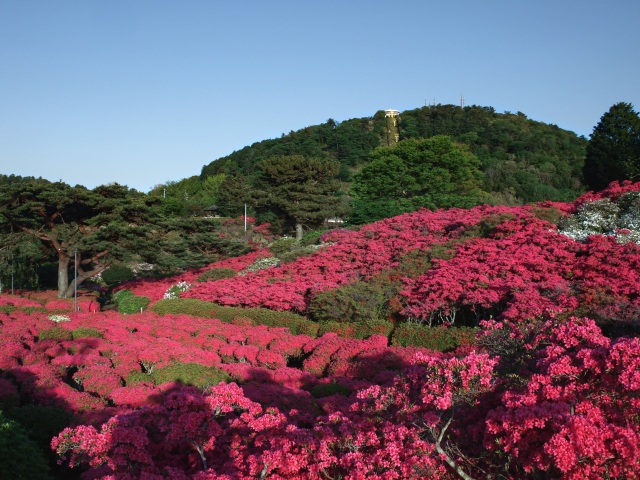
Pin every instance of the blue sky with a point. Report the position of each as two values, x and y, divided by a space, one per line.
145 92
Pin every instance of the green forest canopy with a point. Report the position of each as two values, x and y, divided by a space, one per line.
521 160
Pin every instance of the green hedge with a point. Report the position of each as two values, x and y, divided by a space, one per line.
57 333
405 334
216 274
357 329
194 374
442 339
85 332
296 324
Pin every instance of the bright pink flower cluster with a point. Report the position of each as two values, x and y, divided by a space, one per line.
573 417
524 270
564 413
353 256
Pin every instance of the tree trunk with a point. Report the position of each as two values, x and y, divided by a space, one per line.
81 277
63 275
299 231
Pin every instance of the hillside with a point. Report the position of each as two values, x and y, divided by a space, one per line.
380 381
451 267
522 160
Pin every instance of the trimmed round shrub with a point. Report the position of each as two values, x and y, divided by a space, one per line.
116 273
132 304
216 274
117 296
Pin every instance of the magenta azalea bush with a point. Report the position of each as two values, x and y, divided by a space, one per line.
541 392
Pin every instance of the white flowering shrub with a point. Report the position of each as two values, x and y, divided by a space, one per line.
174 290
142 267
261 264
619 218
59 318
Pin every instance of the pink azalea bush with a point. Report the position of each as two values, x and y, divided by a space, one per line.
542 393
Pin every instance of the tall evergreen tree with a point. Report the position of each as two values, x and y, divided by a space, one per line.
613 153
95 228
432 173
90 227
302 189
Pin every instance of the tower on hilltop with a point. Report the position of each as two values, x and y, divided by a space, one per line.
393 133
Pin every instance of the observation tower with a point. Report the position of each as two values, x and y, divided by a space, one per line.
393 134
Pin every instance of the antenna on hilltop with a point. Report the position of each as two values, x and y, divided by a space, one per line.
461 101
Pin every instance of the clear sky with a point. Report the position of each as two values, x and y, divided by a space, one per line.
148 91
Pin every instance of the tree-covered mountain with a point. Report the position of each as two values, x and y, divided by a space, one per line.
521 158
519 161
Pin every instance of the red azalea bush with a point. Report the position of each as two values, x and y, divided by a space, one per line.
561 411
524 269
355 255
506 261
541 393
572 418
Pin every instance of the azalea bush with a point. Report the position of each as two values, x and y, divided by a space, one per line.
393 406
497 357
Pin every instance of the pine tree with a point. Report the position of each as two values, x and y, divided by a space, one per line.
613 152
302 189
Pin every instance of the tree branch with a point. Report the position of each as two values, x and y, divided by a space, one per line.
446 457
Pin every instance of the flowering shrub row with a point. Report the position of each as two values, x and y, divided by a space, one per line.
355 255
524 270
501 261
563 416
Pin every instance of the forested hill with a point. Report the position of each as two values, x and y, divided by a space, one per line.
522 160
